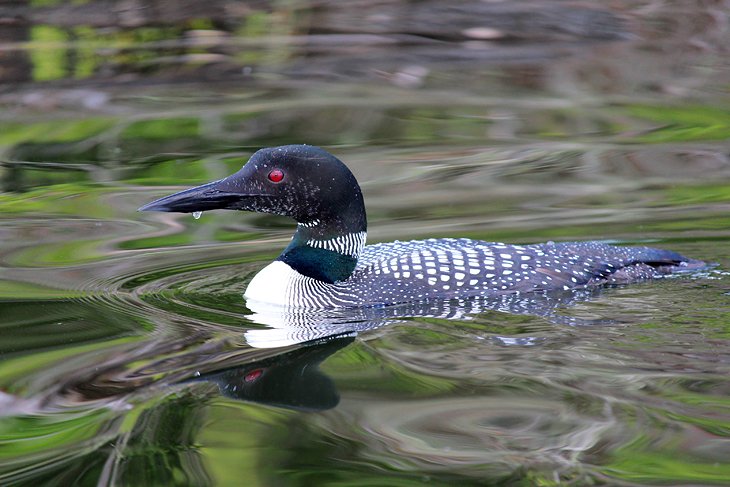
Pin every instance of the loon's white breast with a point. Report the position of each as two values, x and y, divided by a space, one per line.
273 284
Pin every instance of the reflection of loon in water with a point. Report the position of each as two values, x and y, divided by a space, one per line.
290 325
286 377
293 380
278 365
328 265
290 380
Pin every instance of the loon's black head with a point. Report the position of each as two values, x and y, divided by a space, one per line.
300 181
303 182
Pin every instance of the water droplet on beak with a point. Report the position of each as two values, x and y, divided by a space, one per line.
197 214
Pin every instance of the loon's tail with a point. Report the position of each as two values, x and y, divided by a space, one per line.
611 264
648 262
667 261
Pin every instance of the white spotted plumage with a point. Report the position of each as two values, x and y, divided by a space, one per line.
448 268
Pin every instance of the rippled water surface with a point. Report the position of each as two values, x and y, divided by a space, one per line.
129 356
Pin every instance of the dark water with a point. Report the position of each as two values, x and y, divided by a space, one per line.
129 356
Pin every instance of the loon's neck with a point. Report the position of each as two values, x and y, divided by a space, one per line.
327 250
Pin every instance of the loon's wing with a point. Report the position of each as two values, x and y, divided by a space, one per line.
595 263
446 267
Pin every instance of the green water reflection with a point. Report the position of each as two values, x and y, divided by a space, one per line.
128 354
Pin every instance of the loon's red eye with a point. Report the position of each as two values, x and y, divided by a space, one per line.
276 175
253 375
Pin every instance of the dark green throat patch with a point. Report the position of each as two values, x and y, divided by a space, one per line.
321 264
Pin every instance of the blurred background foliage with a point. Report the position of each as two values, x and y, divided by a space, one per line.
98 93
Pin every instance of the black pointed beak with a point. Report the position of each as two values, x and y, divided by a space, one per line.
210 196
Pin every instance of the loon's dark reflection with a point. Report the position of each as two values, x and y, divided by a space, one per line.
290 380
276 364
289 326
287 377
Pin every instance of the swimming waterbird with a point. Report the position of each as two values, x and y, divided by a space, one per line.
328 265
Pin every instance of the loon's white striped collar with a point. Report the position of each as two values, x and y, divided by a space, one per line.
348 244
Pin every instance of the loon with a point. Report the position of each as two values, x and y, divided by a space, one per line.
328 265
